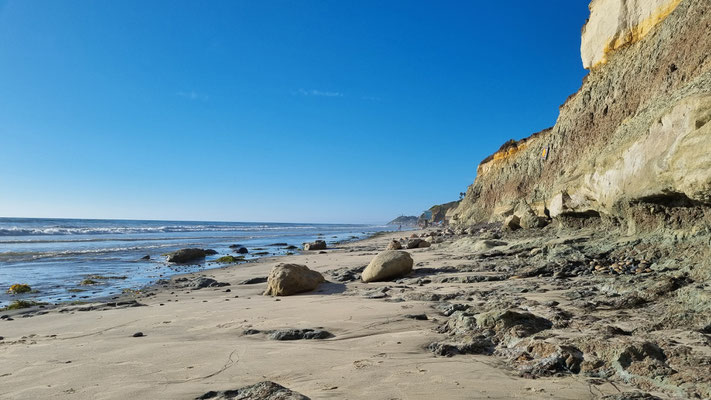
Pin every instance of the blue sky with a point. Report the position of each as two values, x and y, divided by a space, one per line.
293 111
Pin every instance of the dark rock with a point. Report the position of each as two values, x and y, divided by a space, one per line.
146 257
292 247
199 282
414 243
477 345
242 250
251 332
630 396
261 391
298 334
502 322
235 246
138 334
254 281
418 317
210 252
317 245
279 244
186 255
347 274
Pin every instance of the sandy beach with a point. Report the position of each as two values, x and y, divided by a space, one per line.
194 341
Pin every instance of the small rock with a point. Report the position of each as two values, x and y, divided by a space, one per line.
138 334
266 390
418 317
253 281
317 245
299 334
394 245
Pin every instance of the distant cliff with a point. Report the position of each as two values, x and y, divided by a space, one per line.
636 136
438 213
404 220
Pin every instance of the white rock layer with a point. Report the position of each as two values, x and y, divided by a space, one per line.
616 23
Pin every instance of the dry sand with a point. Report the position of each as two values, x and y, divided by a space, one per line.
194 343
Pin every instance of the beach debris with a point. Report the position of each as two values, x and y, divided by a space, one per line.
186 255
317 245
288 279
20 304
394 245
266 390
387 265
19 288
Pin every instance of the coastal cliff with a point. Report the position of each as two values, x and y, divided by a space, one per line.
634 138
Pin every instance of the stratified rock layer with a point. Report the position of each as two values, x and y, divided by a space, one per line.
636 133
614 24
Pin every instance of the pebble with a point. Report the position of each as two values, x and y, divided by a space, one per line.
138 334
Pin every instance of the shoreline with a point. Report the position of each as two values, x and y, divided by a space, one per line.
195 341
58 279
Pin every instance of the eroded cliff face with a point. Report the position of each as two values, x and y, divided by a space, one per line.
635 136
614 24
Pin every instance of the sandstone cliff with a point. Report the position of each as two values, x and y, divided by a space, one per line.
633 142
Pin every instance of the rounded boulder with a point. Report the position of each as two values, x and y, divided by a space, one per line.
388 265
288 279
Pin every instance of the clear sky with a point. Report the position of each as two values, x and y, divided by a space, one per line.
290 111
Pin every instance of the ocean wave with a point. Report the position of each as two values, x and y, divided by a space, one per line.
19 256
121 230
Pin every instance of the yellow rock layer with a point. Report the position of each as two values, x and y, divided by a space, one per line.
501 155
639 31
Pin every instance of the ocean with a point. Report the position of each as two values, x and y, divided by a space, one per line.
54 256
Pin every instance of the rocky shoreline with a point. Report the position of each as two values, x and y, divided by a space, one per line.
528 306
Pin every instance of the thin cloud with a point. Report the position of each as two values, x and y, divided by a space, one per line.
314 92
192 95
